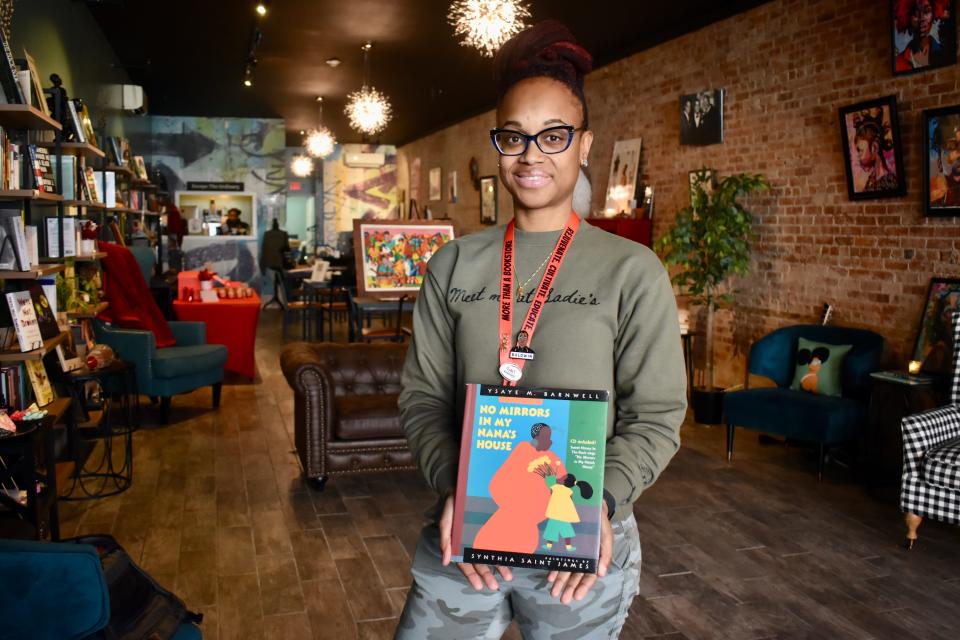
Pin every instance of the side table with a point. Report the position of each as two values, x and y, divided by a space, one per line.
111 422
29 464
890 401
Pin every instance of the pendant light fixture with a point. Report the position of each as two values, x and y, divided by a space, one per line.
369 110
301 166
319 142
487 24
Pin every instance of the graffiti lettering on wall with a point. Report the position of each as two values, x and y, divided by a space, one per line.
358 193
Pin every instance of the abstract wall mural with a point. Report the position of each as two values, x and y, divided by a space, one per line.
357 193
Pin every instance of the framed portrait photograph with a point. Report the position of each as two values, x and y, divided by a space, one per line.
934 346
701 118
624 168
706 178
488 200
941 161
434 177
872 149
923 35
392 255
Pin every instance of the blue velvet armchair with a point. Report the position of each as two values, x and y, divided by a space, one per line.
170 371
56 591
798 415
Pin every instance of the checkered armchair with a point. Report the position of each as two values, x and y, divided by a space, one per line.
930 487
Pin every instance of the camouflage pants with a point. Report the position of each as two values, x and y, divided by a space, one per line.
441 604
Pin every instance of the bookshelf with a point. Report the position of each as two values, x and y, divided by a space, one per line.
30 194
89 315
79 149
85 204
34 273
22 116
10 355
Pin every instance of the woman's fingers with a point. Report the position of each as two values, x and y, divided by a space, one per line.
552 576
559 583
446 531
470 573
487 576
581 591
606 546
505 573
571 587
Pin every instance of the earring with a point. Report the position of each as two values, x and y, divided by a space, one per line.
584 163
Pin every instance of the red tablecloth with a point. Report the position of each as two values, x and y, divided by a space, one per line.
232 323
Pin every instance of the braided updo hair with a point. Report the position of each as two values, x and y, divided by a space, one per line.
545 50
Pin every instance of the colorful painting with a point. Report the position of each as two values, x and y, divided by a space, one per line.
941 165
924 35
934 346
872 149
392 256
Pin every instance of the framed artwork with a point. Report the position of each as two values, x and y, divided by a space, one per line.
934 346
35 83
924 35
701 118
453 187
872 149
488 200
941 161
415 179
707 178
392 255
622 185
436 193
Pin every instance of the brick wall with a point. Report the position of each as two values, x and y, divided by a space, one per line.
786 67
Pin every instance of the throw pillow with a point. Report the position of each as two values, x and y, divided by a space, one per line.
819 367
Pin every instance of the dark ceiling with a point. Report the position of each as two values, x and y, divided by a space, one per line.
190 54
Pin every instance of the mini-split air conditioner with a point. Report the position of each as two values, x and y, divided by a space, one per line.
364 160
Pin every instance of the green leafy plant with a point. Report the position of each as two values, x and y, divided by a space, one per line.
710 242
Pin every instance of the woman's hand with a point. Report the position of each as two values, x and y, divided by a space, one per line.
574 586
478 575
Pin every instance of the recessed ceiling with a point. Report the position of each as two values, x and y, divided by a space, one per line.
190 55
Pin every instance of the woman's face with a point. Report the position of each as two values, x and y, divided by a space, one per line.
921 17
535 179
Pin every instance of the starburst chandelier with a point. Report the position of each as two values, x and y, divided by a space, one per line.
319 142
487 24
301 166
368 110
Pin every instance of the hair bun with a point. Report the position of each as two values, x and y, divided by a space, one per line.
544 49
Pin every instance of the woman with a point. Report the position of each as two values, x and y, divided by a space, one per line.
609 322
916 18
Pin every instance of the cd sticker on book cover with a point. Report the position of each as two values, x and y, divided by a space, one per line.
530 485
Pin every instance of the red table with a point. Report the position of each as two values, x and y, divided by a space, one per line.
232 323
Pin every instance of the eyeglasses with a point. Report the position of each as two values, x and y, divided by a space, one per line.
515 143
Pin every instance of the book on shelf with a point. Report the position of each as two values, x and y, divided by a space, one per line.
116 154
530 480
75 124
9 74
41 169
46 316
13 179
90 137
24 320
14 253
106 186
140 168
903 377
31 66
33 244
23 77
13 386
90 180
68 177
67 353
69 237
40 382
48 284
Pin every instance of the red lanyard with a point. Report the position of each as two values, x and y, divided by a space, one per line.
511 369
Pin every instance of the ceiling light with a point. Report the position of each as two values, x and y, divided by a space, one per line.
261 8
320 142
333 62
247 82
369 110
301 166
487 24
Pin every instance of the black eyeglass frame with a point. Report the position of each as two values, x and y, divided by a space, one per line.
527 139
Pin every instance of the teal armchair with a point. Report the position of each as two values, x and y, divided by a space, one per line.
57 591
798 415
164 373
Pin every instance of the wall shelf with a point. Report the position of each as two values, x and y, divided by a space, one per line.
22 116
33 273
9 355
29 194
84 149
87 315
86 204
118 169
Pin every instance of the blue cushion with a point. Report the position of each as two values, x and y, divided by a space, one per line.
795 414
51 591
188 631
174 362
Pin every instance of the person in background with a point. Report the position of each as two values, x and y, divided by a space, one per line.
276 244
234 225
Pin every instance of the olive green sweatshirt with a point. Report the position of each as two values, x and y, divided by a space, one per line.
610 322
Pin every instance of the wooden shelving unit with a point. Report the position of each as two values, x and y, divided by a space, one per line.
88 315
122 210
90 257
87 204
118 169
33 274
29 194
36 354
84 149
22 116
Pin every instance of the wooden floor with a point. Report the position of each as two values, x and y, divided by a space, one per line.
756 549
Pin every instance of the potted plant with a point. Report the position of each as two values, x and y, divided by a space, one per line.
710 242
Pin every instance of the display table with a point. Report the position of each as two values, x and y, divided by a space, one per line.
232 323
636 229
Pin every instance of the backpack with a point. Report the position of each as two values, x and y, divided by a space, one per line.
140 609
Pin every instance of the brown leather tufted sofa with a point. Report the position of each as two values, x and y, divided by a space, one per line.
346 413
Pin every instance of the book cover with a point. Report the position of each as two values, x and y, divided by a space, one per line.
68 177
24 320
90 137
116 153
33 246
16 238
46 319
75 123
40 382
9 74
42 169
91 183
530 481
140 168
69 237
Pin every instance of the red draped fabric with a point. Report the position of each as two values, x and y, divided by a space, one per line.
131 304
232 323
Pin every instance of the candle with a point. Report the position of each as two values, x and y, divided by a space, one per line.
914 366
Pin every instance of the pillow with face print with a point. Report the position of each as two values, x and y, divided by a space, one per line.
818 367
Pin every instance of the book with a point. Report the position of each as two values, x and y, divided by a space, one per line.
13 162
86 124
9 78
16 238
106 186
902 377
68 177
24 320
23 77
40 382
41 169
91 181
31 66
69 237
33 244
530 480
67 354
116 155
46 317
140 168
74 119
